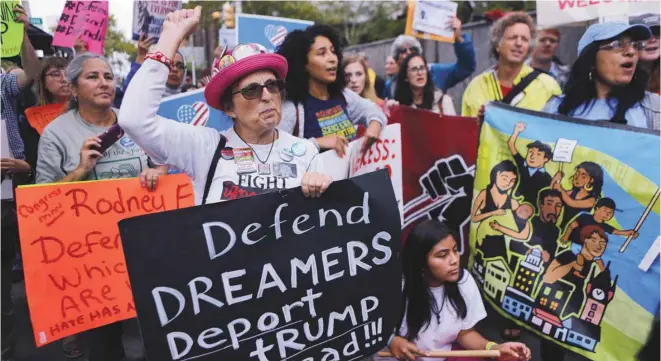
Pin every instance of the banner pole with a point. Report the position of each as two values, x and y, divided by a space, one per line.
641 220
458 353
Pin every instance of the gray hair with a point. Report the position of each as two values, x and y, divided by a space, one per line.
402 40
75 68
497 30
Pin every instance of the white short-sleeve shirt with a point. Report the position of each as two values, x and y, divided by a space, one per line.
439 336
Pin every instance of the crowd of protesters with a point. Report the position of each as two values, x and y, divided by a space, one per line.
287 107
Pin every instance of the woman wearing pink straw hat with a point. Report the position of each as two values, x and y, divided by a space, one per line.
251 158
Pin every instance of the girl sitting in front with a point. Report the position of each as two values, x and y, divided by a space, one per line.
442 303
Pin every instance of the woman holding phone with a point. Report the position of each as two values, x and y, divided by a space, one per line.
106 153
91 115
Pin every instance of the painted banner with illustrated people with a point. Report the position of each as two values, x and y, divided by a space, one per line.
563 224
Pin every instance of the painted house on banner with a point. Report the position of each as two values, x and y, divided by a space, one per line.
496 278
583 332
599 293
551 302
519 300
478 267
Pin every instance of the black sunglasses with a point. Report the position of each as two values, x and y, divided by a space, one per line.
254 90
413 50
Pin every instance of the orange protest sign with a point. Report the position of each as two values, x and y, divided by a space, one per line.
428 19
39 117
73 259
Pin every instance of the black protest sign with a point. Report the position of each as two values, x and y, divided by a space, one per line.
272 277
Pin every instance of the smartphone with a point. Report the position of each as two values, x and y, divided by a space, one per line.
109 137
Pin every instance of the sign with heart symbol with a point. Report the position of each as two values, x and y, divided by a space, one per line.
275 33
196 114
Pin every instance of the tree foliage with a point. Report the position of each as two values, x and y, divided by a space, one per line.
116 42
356 21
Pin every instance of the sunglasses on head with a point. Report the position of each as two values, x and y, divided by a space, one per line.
239 52
254 90
412 50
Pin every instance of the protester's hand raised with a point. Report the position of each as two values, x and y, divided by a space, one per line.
144 43
181 23
21 16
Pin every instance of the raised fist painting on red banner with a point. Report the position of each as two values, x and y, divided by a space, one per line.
447 195
438 168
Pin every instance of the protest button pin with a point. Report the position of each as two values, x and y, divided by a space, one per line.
286 155
245 160
298 149
264 169
227 153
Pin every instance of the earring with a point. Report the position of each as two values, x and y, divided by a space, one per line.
590 75
588 188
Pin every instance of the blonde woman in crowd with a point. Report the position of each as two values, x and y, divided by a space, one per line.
357 79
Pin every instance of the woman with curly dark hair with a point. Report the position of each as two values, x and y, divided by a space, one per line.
319 107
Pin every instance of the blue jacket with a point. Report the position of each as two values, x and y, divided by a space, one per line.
445 76
134 69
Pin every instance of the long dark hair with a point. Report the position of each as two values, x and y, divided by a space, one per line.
581 91
418 300
295 49
403 92
597 174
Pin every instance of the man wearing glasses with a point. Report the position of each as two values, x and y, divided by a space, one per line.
444 76
543 56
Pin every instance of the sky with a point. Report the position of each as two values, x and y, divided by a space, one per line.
50 11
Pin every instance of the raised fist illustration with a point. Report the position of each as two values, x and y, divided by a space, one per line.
452 179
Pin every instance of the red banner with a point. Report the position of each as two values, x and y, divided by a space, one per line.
438 168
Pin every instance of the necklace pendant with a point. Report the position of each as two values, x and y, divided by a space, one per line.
264 169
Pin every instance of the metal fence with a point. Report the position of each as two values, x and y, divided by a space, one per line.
436 52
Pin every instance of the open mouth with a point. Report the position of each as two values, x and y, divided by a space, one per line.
332 70
628 66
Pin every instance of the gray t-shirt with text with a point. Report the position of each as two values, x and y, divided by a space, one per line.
59 151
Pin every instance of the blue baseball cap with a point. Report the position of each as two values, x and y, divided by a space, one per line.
609 30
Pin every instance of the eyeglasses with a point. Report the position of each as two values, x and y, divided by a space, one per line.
254 90
418 69
620 45
180 66
413 50
55 73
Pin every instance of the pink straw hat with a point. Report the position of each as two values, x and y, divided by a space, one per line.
243 60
